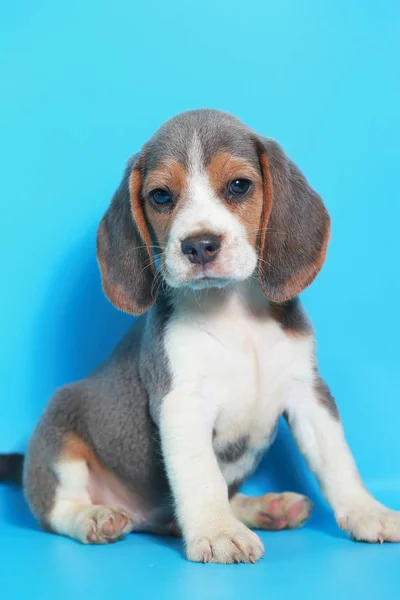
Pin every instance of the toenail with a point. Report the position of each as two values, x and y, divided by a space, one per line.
109 526
122 521
295 510
92 536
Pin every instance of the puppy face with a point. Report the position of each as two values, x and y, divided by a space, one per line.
198 202
205 216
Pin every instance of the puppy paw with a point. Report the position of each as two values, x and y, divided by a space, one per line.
373 525
232 544
103 524
274 511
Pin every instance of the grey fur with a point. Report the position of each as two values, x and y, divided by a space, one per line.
154 366
325 397
39 478
292 317
234 450
110 411
216 130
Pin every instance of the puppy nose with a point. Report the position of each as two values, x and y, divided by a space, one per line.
201 249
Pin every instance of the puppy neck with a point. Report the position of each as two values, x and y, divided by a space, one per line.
245 295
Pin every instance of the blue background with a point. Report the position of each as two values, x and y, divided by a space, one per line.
82 85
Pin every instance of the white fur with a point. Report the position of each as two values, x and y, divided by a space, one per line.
322 441
231 373
71 498
204 212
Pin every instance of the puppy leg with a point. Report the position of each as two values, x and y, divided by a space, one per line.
210 529
73 513
315 423
272 511
69 490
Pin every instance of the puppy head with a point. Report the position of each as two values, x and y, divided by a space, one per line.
205 203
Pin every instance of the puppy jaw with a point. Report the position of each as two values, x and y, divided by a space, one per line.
202 208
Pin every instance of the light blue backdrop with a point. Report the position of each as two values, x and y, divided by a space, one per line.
84 83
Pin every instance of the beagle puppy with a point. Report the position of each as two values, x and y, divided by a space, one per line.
211 235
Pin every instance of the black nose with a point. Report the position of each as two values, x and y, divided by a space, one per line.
201 249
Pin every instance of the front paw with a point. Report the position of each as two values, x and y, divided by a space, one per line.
374 524
234 543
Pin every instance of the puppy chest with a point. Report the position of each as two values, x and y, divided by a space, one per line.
242 369
239 364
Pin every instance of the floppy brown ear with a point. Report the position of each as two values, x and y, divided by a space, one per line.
124 247
295 227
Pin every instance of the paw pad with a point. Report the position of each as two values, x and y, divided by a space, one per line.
280 511
106 524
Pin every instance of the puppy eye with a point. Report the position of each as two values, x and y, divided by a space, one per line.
239 187
161 196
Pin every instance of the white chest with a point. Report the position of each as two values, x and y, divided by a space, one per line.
241 365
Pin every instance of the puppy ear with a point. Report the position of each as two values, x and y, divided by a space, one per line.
124 247
295 227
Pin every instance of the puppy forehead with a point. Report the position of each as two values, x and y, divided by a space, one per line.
204 133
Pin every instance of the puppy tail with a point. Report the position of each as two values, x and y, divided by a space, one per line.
11 467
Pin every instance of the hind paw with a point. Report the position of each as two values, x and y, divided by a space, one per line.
275 511
103 524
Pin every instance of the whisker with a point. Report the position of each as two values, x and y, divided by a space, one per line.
146 266
195 297
147 263
160 285
155 285
152 246
159 278
266 262
268 230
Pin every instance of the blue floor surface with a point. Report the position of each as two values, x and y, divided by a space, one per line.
315 562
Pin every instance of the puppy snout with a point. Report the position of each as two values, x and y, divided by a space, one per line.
201 249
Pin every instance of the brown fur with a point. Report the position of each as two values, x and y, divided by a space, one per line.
267 207
172 175
101 480
169 174
74 448
135 192
224 168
